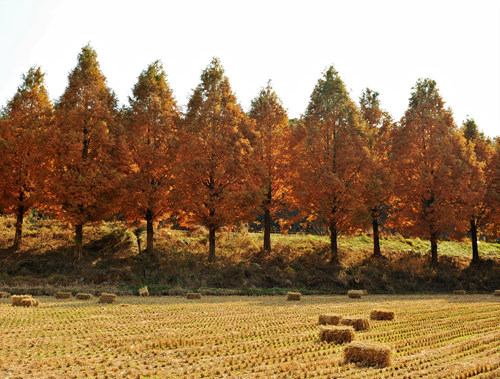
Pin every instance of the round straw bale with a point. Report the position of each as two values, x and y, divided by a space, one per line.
368 353
459 292
496 293
329 319
358 323
17 299
294 296
107 298
336 334
381 315
355 294
63 295
143 291
193 295
4 295
83 296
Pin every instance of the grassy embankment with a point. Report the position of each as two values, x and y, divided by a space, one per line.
297 261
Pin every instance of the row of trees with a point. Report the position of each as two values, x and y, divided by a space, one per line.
342 165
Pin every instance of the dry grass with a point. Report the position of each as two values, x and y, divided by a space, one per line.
107 298
356 294
368 353
83 296
459 292
381 315
193 296
294 296
62 295
143 291
358 323
336 334
329 319
236 336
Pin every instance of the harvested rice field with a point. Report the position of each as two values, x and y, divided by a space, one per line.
432 336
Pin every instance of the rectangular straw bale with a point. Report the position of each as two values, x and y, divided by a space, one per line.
17 299
294 296
83 296
4 295
368 353
496 293
29 302
379 314
193 295
107 298
355 294
143 291
336 334
329 319
459 292
358 323
63 295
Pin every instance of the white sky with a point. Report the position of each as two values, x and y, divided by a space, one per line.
384 45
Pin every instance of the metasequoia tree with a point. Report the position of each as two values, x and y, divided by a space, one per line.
426 156
378 183
85 177
332 155
482 204
271 122
216 184
27 118
151 130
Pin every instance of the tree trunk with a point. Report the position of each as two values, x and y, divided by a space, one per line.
434 249
334 256
267 222
79 240
473 237
376 239
137 233
211 244
19 227
149 233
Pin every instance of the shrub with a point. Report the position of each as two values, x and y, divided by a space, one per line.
143 291
381 315
368 353
336 334
358 323
329 319
294 296
193 295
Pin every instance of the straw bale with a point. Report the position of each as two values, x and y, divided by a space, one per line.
496 293
358 323
193 295
83 296
459 292
329 319
379 314
63 295
17 299
107 298
143 291
368 353
4 295
294 296
29 302
355 294
336 334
